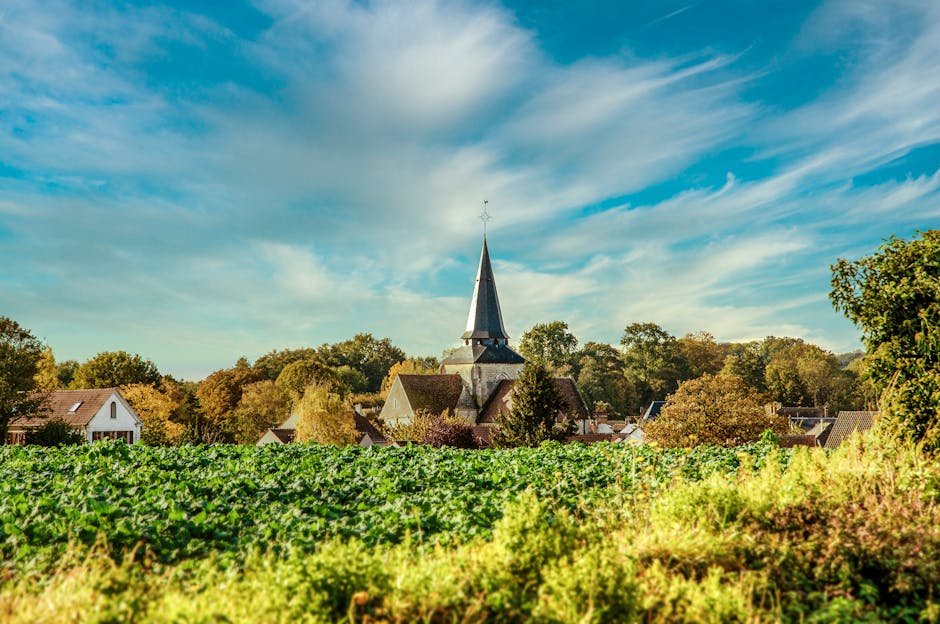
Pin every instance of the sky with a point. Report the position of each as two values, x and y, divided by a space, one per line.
197 181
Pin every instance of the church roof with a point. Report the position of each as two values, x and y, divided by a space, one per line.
484 354
485 320
501 400
434 393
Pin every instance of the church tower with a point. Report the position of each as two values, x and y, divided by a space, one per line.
486 358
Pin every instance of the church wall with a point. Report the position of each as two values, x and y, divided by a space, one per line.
481 379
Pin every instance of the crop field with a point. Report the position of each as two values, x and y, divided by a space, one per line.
561 533
180 503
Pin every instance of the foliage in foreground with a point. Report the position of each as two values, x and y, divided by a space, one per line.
180 503
849 537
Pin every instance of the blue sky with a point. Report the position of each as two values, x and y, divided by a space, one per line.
196 181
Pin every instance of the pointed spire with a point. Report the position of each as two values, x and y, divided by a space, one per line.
485 322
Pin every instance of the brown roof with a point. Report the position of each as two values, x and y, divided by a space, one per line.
61 402
435 393
848 423
365 426
286 436
500 401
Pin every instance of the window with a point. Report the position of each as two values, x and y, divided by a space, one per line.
75 407
126 436
113 409
16 437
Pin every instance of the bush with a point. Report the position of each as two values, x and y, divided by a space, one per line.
55 432
450 432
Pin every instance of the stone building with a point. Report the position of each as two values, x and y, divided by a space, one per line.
476 380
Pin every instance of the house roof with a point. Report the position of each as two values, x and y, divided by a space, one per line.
485 320
501 400
60 404
434 393
820 432
364 426
286 436
848 423
478 353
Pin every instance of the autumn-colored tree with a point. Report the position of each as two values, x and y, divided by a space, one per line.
893 296
713 409
534 415
273 363
263 405
802 374
111 369
411 366
219 394
323 417
20 352
702 355
296 376
158 410
552 344
47 373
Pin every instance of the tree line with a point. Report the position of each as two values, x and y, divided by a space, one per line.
649 364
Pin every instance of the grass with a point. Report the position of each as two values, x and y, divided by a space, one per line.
852 536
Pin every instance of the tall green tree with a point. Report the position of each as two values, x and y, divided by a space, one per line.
66 372
296 376
602 376
111 369
364 353
273 363
552 344
652 361
20 352
893 296
536 405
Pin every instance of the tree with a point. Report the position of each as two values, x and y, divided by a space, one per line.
363 353
411 366
701 354
552 344
296 376
218 396
893 296
47 373
748 361
111 369
159 411
536 406
323 417
272 364
602 377
652 361
20 352
713 409
66 372
262 406
54 432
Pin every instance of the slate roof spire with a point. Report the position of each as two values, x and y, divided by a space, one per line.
485 321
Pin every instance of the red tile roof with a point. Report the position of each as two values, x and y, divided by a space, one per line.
500 402
61 402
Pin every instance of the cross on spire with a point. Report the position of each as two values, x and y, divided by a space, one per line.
485 216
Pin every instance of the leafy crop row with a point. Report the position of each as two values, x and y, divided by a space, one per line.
180 503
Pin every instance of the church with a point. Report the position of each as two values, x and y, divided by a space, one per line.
475 382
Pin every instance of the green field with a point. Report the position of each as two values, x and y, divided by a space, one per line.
560 533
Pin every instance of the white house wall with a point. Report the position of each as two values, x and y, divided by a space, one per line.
125 419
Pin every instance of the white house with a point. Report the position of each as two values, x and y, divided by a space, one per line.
100 414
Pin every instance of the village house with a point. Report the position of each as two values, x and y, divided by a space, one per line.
475 382
99 414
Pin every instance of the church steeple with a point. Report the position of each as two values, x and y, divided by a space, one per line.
485 321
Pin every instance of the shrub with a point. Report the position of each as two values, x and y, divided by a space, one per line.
55 432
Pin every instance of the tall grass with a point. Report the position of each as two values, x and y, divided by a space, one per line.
846 537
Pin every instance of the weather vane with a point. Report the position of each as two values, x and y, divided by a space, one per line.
485 216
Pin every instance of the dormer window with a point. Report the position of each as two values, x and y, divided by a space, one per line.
113 409
75 407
